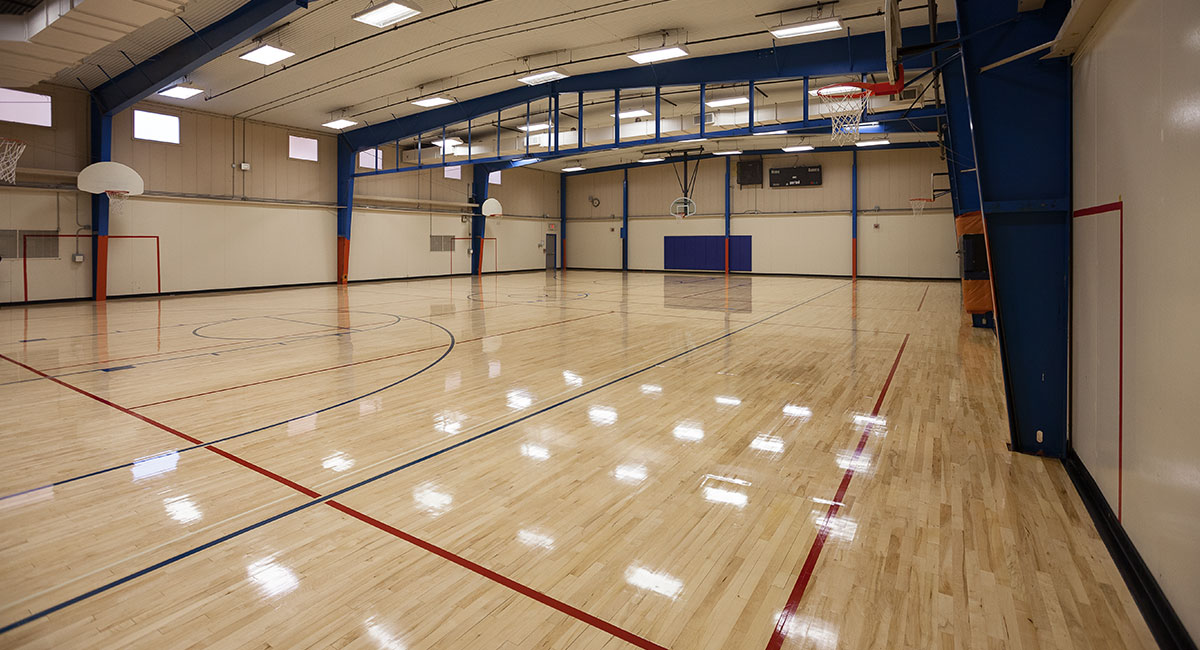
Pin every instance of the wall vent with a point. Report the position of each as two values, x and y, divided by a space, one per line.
441 243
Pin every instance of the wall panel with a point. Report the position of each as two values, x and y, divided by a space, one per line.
1135 138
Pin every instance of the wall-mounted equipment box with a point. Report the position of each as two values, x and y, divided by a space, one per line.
749 172
806 176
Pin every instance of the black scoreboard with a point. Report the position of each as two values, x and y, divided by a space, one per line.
806 176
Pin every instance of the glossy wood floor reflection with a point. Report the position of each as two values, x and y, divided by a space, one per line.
579 460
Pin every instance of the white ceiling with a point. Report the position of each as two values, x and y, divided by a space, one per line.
461 49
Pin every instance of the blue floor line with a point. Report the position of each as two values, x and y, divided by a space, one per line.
224 538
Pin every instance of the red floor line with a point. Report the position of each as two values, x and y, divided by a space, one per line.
573 612
814 552
356 363
480 570
926 293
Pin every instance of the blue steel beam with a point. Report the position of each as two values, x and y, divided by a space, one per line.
856 54
1024 180
918 120
153 74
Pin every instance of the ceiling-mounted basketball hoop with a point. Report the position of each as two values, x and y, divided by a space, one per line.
114 180
492 208
10 152
682 207
846 103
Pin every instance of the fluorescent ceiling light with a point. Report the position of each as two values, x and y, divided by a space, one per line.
430 102
694 140
266 55
654 56
868 124
804 29
732 101
871 143
835 90
448 142
780 132
801 147
651 160
574 169
625 115
540 126
526 161
339 123
388 13
542 77
731 152
181 92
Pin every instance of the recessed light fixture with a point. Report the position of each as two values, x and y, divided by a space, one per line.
731 101
627 115
871 143
654 56
388 13
266 55
799 147
780 132
339 123
448 142
540 126
731 152
180 92
807 28
651 160
430 102
574 169
542 77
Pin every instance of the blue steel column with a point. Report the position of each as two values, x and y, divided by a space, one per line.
479 194
854 215
562 221
345 203
101 145
728 206
1024 178
625 222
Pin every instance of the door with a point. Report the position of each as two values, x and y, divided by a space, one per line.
551 251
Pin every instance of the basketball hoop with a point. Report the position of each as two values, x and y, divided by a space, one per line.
116 202
846 103
918 205
492 208
10 152
682 207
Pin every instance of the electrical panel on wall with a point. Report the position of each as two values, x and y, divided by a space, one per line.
805 176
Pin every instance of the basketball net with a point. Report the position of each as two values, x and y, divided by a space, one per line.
116 202
845 106
918 205
10 152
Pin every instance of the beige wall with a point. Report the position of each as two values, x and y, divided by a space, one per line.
1136 138
795 230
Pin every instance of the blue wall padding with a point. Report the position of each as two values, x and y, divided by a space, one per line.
705 252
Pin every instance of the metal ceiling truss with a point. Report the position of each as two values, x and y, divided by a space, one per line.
860 54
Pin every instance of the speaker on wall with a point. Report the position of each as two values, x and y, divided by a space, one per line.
749 172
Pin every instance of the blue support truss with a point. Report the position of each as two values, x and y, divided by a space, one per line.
158 71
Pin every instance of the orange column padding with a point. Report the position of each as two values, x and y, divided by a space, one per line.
343 260
977 294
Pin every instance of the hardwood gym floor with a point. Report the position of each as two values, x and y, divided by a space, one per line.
588 460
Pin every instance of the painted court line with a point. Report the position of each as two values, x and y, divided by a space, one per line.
814 552
567 609
355 363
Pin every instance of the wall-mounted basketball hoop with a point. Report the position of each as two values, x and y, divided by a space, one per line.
683 207
846 103
114 180
492 208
